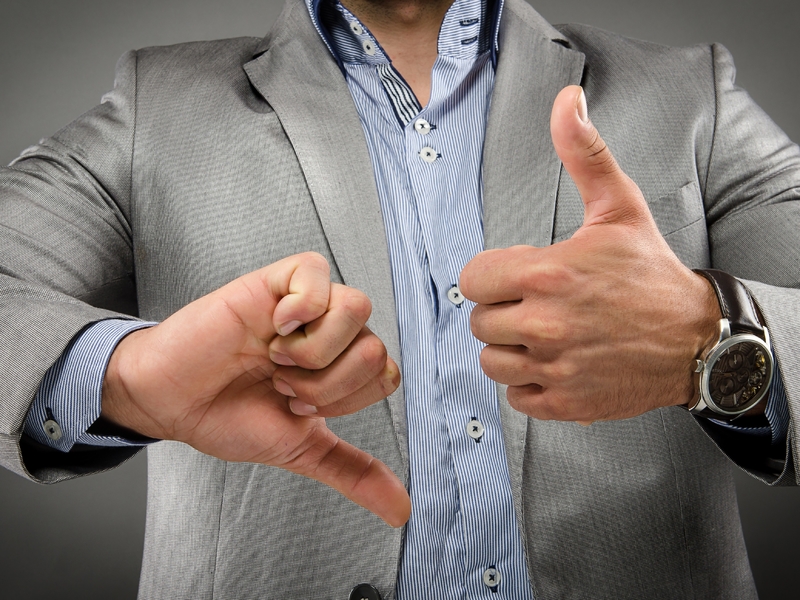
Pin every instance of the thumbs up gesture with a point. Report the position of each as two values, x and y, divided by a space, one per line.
605 325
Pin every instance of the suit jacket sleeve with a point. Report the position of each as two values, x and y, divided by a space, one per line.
752 196
66 261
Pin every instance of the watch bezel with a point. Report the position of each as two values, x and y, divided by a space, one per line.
714 355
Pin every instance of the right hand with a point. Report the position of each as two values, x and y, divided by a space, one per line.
207 376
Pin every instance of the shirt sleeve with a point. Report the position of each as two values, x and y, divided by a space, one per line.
776 412
68 400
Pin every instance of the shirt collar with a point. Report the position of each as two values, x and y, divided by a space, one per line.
470 28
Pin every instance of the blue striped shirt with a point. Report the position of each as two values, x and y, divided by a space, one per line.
462 539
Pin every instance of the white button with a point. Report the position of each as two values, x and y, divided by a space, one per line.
491 577
422 126
357 29
428 154
455 296
475 429
52 430
369 47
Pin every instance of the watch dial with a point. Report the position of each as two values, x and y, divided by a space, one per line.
738 376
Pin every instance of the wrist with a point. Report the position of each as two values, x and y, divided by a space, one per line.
118 407
703 326
708 314
734 373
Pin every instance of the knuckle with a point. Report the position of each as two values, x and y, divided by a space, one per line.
489 364
314 304
546 332
547 276
358 305
560 371
315 260
550 332
312 357
318 395
472 280
310 387
476 321
465 279
373 352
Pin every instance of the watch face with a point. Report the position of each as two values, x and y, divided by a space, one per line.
740 374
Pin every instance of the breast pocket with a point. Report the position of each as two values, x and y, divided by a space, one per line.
679 215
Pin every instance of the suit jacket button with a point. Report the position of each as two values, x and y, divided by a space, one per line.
365 591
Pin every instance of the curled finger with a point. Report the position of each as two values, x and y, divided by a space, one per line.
321 341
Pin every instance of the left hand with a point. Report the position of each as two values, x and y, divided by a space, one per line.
605 325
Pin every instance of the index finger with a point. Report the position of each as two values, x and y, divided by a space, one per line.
304 289
277 298
495 276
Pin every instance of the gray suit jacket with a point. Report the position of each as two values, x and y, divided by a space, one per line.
210 160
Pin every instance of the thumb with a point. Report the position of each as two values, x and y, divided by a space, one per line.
609 195
358 476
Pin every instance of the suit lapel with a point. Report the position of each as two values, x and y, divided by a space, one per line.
305 87
520 168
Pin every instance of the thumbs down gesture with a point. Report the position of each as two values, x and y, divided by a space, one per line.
605 325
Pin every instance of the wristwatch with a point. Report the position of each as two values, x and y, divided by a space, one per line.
735 373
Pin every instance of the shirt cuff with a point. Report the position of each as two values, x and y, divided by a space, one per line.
69 398
776 412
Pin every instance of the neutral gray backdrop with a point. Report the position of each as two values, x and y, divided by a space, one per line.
83 539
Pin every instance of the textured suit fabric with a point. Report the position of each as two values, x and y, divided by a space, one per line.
210 160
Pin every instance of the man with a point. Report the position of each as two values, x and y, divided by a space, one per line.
552 318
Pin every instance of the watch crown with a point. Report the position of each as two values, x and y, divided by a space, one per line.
699 366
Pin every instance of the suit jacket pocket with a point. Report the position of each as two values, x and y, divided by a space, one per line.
677 210
679 215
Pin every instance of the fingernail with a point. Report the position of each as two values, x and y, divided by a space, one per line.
281 359
284 388
302 409
390 381
288 328
580 105
585 423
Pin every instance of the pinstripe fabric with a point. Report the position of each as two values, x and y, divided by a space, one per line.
776 411
463 519
405 103
72 388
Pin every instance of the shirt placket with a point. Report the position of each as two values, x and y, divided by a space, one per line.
449 210
427 168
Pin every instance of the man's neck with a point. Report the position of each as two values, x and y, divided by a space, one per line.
408 31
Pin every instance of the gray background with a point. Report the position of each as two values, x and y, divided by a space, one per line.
83 539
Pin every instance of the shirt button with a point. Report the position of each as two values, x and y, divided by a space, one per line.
422 126
356 28
428 154
369 47
475 429
52 430
491 577
455 296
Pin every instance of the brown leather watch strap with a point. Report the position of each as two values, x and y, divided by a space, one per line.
734 301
